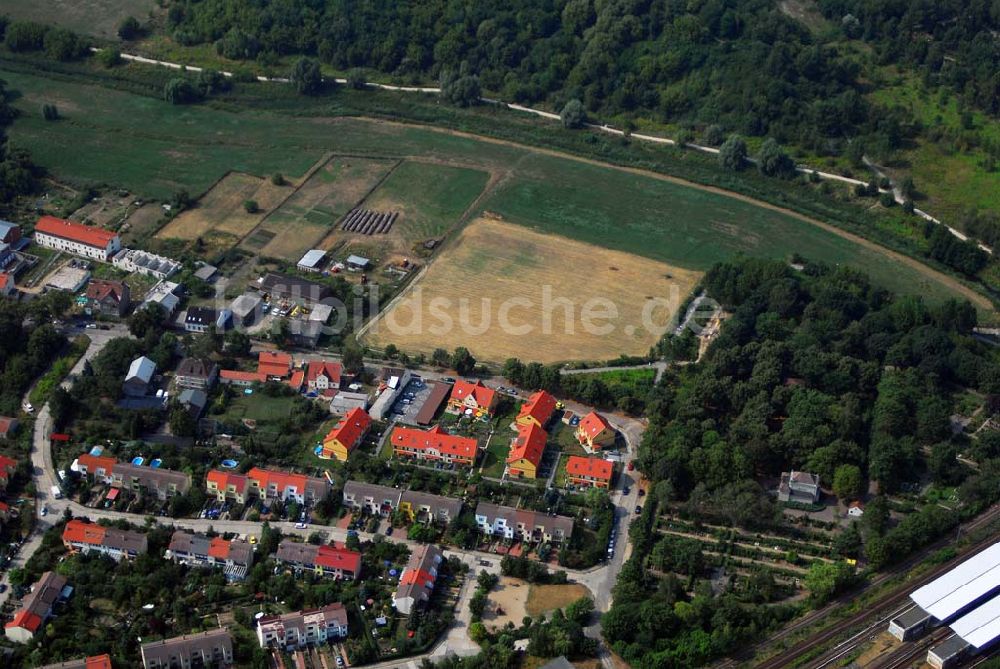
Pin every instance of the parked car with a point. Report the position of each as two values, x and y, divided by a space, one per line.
388 531
300 526
626 490
638 510
631 465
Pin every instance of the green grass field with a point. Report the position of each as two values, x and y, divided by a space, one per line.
99 18
155 149
951 180
430 197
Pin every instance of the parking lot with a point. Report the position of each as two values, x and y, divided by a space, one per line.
411 401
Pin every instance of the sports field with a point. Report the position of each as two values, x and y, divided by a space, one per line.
155 149
502 290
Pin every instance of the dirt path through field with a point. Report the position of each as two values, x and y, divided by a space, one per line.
954 284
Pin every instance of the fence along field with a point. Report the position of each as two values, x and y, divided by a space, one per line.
154 150
503 261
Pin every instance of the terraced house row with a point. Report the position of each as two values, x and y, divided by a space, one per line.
117 544
418 506
331 561
162 483
265 484
433 445
522 524
233 556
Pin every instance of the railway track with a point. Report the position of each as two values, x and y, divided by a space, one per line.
911 652
877 614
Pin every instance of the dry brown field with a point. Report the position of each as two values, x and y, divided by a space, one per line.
548 298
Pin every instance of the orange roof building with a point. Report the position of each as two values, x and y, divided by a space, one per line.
7 287
594 432
93 538
98 466
238 378
474 396
271 484
7 467
526 451
77 238
36 608
537 410
227 486
596 472
274 364
297 379
347 434
323 375
434 444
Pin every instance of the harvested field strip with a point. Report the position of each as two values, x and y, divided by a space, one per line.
222 209
545 598
490 289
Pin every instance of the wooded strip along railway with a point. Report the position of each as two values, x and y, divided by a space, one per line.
368 221
874 613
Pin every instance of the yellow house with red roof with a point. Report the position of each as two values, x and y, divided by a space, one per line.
537 410
347 434
526 452
595 432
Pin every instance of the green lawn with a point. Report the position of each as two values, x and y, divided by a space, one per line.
258 407
99 18
431 197
155 149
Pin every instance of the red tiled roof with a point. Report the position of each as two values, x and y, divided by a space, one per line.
593 424
224 479
6 463
297 377
274 363
317 368
417 576
78 531
484 396
528 444
95 462
280 480
98 662
338 558
26 619
350 428
98 289
4 508
539 406
218 548
597 468
6 280
236 375
436 438
77 232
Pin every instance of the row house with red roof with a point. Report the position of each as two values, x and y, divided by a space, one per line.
118 544
416 583
36 608
331 561
433 445
298 629
589 472
92 662
265 484
77 238
233 556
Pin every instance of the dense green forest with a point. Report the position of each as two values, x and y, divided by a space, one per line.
815 370
740 63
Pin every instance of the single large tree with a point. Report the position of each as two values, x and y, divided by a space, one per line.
733 153
573 115
306 76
